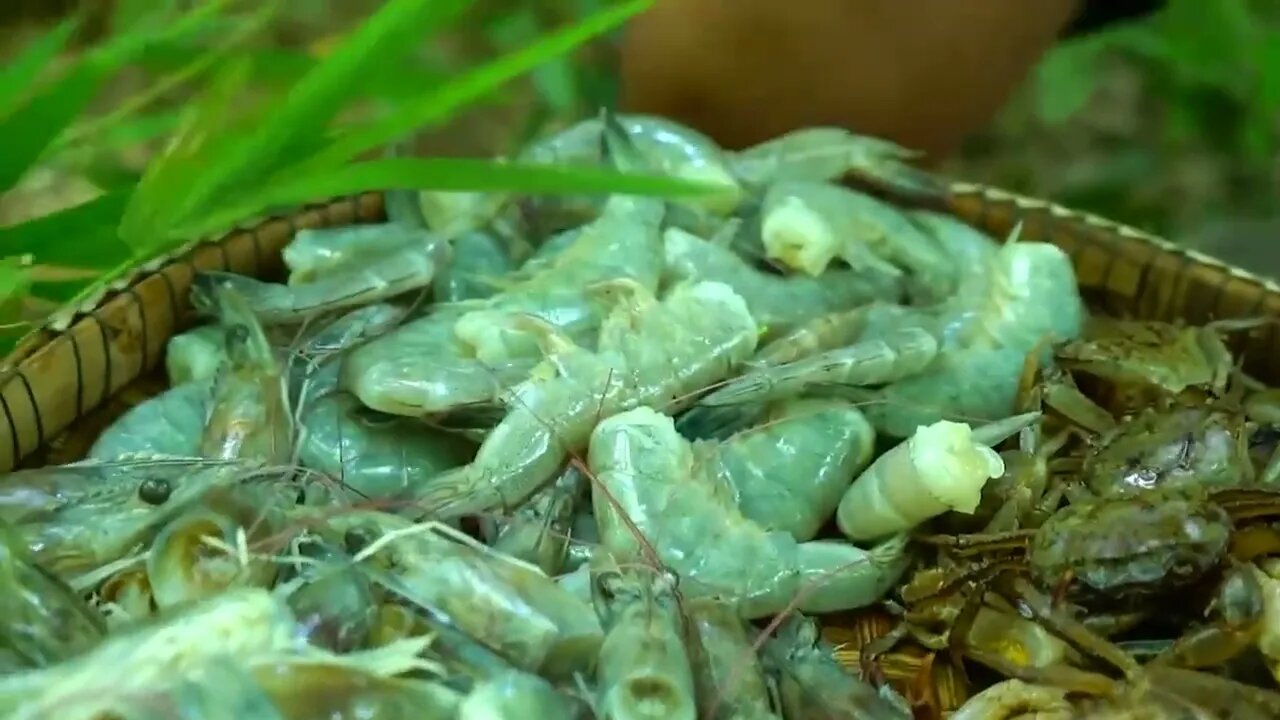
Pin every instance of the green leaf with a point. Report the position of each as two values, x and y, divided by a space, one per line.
450 174
435 107
43 119
299 122
80 236
15 283
1065 80
56 106
21 73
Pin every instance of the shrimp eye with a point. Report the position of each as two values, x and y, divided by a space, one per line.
154 491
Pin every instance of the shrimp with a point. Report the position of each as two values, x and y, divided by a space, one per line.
789 473
730 680
517 695
650 353
170 423
398 270
249 414
42 621
895 354
666 147
318 253
813 685
807 224
437 362
378 456
539 531
78 517
478 259
941 468
971 370
357 685
423 369
777 302
828 154
195 355
967 248
644 671
642 463
505 604
331 597
238 623
184 566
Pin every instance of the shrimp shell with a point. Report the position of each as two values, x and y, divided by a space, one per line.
196 354
813 686
316 253
725 666
643 670
643 465
789 473
777 302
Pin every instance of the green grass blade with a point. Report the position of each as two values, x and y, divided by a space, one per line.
298 124
22 72
45 117
51 111
15 284
185 74
80 236
176 176
456 174
437 106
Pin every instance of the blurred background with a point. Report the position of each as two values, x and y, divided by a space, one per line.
1171 124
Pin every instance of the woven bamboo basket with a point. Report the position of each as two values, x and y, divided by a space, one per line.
87 365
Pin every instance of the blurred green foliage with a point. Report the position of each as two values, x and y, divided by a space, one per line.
1171 123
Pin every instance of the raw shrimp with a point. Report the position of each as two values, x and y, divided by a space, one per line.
650 353
941 468
894 354
516 695
788 474
648 469
42 621
807 224
331 597
967 247
170 423
438 362
423 369
479 258
77 517
239 623
506 604
538 533
813 685
828 154
730 681
318 253
182 564
357 685
399 270
249 415
378 456
777 302
983 336
666 147
643 672
195 355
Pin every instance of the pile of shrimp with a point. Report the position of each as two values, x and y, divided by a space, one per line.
528 457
